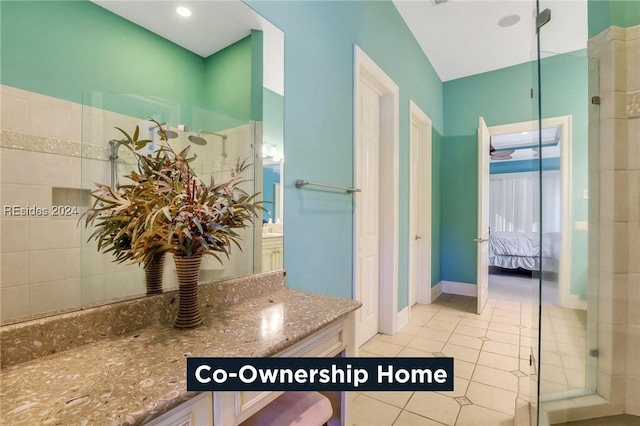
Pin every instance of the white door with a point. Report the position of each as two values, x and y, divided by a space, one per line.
368 212
482 240
419 207
415 233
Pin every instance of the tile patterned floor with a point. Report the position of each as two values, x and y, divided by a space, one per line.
491 367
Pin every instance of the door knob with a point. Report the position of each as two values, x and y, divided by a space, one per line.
418 237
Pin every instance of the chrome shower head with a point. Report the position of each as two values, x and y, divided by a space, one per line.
198 140
170 134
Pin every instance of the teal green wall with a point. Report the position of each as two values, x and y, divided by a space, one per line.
501 97
80 52
273 119
605 13
319 39
228 80
62 48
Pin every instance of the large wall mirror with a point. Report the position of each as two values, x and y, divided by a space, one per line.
74 71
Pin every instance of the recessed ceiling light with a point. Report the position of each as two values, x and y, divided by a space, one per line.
508 20
183 11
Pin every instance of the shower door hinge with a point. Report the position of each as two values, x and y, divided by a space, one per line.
530 360
532 93
595 100
542 18
594 353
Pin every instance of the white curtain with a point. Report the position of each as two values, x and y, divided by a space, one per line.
515 198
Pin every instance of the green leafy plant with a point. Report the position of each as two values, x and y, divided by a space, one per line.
165 208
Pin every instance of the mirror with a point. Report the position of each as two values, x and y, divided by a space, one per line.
96 65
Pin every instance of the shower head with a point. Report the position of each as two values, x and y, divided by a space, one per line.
170 134
198 140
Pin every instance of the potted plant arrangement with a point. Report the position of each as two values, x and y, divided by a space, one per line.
166 209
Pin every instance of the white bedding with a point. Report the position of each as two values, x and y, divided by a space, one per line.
514 250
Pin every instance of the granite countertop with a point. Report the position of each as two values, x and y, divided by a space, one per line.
133 378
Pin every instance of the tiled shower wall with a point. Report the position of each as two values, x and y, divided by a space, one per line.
618 293
46 263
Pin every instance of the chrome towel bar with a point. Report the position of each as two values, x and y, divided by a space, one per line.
302 183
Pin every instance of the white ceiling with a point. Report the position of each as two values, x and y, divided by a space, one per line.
462 37
212 26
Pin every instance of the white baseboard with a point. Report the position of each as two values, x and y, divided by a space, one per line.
402 318
436 291
462 289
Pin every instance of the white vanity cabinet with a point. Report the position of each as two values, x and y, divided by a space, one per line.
232 408
195 412
272 253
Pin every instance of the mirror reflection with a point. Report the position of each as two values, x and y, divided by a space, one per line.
215 84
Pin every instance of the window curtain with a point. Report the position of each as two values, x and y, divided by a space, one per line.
515 198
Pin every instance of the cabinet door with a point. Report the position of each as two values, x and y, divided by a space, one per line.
195 412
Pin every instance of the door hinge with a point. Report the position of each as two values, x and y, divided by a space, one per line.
530 360
542 18
532 93
595 100
594 353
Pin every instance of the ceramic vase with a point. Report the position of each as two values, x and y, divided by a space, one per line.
188 308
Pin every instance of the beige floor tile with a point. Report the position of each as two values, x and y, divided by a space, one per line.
497 319
552 374
470 331
365 354
371 412
421 317
441 325
575 379
411 329
505 311
492 398
574 363
397 399
407 418
397 339
449 317
501 348
460 386
474 415
434 334
473 322
466 341
381 348
550 358
501 362
547 387
465 354
426 345
494 377
463 369
505 328
434 406
498 336
414 353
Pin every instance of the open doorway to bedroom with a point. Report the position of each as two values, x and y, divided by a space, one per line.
535 243
518 191
530 211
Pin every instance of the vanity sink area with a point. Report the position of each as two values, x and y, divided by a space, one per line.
131 367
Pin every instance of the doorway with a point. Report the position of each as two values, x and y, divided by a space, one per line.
419 207
376 159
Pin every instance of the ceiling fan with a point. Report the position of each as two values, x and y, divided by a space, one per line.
500 155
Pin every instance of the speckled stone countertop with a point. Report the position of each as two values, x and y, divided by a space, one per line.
135 377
